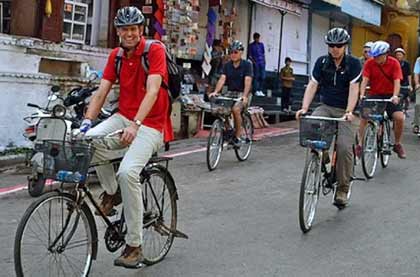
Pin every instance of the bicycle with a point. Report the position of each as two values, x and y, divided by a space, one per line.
405 99
317 134
377 136
223 131
60 224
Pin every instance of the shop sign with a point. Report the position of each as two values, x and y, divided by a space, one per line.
364 10
282 5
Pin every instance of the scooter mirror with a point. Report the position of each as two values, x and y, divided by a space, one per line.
93 76
55 89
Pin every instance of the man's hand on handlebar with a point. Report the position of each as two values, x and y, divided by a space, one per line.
213 94
301 112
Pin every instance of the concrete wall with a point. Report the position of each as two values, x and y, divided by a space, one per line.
15 92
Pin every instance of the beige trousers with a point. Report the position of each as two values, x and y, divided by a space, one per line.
147 142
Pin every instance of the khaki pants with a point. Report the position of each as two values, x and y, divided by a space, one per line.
147 142
345 141
416 120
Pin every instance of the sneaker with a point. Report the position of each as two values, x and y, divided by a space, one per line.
358 149
108 202
341 198
237 142
131 257
399 149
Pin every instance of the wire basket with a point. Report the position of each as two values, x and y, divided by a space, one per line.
65 161
221 107
369 109
317 131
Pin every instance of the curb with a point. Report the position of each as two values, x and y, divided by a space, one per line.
11 160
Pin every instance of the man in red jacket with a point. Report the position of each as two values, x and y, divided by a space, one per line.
143 115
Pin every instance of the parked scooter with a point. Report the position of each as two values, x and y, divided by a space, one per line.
41 125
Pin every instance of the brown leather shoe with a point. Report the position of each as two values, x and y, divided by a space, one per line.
399 149
131 257
108 202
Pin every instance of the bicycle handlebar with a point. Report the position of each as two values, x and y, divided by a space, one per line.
227 98
339 119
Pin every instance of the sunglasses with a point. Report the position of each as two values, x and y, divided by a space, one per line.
234 52
366 51
336 45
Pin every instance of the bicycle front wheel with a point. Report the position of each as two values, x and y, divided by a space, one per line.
243 152
55 237
385 143
160 214
215 144
370 150
309 191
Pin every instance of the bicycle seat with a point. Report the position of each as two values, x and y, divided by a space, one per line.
156 159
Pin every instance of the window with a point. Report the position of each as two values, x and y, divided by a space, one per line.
75 21
5 12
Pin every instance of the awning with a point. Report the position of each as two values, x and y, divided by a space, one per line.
281 5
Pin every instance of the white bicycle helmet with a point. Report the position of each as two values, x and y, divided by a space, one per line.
399 50
368 44
379 48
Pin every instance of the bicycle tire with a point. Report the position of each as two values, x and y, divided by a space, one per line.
385 146
214 145
83 213
312 168
369 151
159 228
242 155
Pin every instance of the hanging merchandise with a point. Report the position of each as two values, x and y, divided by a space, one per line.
181 27
211 33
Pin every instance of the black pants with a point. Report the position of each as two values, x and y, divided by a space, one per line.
285 97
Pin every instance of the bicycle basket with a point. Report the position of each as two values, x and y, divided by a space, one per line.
65 161
369 109
221 107
315 130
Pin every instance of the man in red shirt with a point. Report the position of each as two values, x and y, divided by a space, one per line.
144 117
384 74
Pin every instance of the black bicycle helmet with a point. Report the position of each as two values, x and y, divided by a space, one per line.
236 45
128 16
337 36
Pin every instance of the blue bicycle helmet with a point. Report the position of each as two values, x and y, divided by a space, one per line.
127 16
379 48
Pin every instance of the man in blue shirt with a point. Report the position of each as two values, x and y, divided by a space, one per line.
237 75
257 56
337 75
416 121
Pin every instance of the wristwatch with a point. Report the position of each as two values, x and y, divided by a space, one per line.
137 122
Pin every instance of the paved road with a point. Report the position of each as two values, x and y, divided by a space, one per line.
242 220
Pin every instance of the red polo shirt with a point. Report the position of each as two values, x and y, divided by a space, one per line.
379 83
133 86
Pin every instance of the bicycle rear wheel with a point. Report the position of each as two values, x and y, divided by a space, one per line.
215 144
243 152
370 150
160 214
385 143
309 191
55 238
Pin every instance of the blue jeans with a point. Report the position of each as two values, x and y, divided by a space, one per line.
259 77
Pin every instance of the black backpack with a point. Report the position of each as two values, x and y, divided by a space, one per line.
175 72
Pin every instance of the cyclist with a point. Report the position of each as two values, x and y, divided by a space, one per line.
384 74
366 49
144 117
406 85
337 77
238 74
